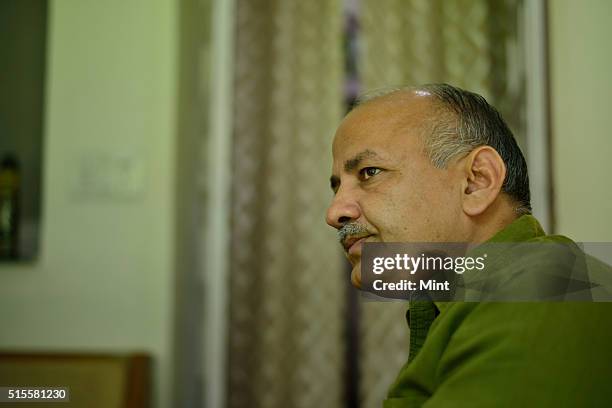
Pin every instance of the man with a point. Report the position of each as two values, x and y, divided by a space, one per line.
438 164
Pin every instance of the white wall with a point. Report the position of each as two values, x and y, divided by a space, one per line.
104 279
581 88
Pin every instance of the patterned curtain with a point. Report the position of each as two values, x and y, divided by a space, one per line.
286 346
474 44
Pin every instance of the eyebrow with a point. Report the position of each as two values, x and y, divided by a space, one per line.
351 164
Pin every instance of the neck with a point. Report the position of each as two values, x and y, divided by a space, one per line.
497 217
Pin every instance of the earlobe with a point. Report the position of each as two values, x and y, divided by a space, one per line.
484 176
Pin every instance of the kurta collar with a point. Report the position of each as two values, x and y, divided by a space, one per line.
522 229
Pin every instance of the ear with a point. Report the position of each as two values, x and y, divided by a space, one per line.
484 175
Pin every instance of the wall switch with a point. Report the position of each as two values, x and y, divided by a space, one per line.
110 176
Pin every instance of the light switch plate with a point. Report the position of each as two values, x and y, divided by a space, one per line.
110 176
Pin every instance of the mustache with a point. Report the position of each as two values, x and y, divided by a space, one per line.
351 229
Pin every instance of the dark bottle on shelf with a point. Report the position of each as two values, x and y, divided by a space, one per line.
9 207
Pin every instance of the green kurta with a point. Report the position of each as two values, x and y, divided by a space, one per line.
507 354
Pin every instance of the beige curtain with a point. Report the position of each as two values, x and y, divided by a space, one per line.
474 44
286 324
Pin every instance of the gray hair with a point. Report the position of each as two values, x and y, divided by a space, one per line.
463 121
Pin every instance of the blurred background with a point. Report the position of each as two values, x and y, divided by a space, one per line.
164 172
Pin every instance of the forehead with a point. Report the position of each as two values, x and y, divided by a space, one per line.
390 126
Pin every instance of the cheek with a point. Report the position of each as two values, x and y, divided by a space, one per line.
441 211
396 214
413 211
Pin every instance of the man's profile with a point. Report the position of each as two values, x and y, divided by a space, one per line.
436 163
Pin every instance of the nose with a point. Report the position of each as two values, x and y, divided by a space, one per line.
342 209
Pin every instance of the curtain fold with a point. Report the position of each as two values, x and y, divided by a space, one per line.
473 44
286 304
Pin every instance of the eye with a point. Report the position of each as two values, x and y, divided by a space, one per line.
368 172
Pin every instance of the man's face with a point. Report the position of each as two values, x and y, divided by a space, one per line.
386 189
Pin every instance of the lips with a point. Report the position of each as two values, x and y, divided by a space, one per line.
350 244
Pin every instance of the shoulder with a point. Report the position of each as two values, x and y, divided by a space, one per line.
527 352
543 337
546 268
